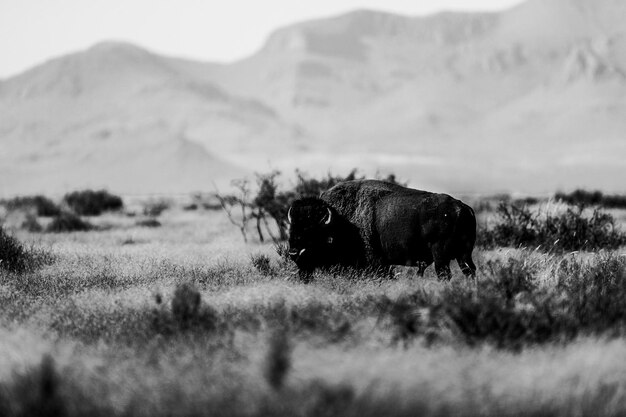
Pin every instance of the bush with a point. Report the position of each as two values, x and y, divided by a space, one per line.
31 224
68 222
155 208
569 230
595 292
489 317
614 201
148 223
92 203
583 197
43 206
511 308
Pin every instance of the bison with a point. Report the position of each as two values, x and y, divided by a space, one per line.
370 223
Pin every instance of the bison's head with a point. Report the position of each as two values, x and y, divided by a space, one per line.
311 233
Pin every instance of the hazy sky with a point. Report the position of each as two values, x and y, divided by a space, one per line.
32 31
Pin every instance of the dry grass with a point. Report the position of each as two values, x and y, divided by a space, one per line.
100 331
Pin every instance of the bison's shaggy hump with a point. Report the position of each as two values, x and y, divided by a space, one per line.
363 202
356 202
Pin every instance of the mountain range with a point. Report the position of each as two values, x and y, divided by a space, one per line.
529 100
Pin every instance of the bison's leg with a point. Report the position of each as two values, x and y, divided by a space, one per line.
442 260
467 265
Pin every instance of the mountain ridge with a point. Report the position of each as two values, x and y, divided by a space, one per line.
456 101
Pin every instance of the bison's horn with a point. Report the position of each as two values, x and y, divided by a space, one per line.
289 215
329 218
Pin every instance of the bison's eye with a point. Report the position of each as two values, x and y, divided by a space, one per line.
330 240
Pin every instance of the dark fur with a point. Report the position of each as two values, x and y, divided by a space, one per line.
376 223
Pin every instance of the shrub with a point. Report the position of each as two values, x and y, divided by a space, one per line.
569 230
516 226
68 222
31 224
13 255
43 206
614 201
156 208
583 197
594 292
511 278
512 308
579 196
406 315
148 223
269 202
92 203
488 317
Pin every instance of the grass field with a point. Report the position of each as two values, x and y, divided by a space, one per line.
110 324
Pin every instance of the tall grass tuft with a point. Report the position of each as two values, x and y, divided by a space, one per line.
261 263
186 304
187 313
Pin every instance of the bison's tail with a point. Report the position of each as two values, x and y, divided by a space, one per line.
465 238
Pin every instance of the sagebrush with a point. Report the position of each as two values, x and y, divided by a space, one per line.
92 202
570 230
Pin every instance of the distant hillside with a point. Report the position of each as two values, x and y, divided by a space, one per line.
531 99
121 117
